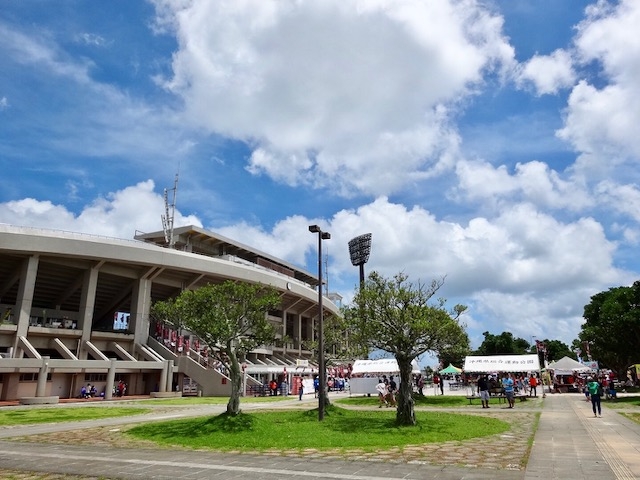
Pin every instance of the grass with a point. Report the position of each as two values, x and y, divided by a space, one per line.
632 416
188 401
623 402
446 401
298 430
29 416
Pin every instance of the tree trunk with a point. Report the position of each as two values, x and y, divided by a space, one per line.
233 407
405 413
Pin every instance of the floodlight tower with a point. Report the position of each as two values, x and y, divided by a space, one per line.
359 251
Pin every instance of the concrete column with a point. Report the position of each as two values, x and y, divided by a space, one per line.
87 305
140 307
162 385
167 387
297 330
111 380
24 300
41 387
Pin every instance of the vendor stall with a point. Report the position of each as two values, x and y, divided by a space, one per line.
501 363
567 374
365 374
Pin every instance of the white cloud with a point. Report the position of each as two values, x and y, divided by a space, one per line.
120 214
601 121
532 182
4 103
522 266
547 73
330 93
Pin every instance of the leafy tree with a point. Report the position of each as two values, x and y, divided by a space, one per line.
503 344
229 317
556 350
394 315
612 327
456 354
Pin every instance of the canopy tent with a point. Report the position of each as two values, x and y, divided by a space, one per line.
451 369
501 363
365 374
567 365
383 365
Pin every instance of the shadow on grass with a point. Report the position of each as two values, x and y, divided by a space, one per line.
199 427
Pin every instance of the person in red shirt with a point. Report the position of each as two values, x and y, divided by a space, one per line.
533 383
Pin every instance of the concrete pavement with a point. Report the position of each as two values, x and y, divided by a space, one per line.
569 444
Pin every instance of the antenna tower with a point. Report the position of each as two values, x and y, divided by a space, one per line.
169 212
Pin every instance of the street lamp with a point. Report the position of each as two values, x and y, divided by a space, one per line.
321 379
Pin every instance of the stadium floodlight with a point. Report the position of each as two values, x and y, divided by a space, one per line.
359 251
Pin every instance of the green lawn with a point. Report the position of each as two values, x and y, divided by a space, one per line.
341 429
27 416
623 402
449 401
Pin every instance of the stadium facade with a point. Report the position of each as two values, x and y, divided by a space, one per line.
75 310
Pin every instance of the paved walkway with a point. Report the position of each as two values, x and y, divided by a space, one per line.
569 444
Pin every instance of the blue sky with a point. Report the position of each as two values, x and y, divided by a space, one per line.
491 142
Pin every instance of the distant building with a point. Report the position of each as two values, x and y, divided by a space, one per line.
75 310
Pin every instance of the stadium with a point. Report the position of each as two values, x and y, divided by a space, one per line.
75 311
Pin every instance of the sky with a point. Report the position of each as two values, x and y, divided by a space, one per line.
490 143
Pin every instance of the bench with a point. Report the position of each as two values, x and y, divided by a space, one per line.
500 396
494 392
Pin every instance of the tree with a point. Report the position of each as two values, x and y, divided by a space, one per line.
503 344
556 350
229 317
612 327
394 315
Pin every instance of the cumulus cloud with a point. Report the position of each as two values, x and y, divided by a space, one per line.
119 214
532 182
547 73
521 266
330 93
601 119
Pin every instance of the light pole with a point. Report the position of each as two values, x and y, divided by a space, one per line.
321 374
359 251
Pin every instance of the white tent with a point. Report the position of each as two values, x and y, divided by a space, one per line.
365 374
383 365
566 366
501 363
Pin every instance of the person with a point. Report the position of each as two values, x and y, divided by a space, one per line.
316 386
507 385
381 388
83 392
392 385
483 390
436 382
612 394
300 390
273 386
594 392
391 391
420 384
533 383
